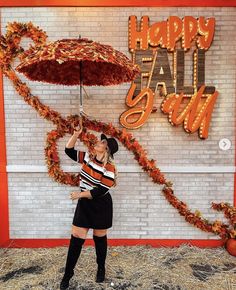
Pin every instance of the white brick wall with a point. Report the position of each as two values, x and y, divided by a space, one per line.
41 208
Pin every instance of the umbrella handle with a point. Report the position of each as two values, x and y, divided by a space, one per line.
81 122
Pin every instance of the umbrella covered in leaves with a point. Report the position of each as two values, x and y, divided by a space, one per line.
59 63
77 61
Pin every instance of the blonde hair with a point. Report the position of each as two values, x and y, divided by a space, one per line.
107 158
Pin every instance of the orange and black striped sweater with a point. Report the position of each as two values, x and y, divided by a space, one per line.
93 176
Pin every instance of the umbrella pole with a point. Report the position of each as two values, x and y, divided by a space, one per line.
81 96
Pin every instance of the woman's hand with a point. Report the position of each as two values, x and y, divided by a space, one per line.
77 131
82 194
75 195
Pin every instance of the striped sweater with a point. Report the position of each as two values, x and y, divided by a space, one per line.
93 176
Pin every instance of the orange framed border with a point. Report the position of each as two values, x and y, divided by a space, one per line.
4 205
50 243
120 3
5 240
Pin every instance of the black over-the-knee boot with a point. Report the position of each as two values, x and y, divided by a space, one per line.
101 253
73 254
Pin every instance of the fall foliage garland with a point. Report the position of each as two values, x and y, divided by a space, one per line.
10 49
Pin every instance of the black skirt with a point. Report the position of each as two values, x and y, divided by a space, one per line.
94 213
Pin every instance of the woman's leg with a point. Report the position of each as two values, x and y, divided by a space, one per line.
99 232
79 232
78 236
100 239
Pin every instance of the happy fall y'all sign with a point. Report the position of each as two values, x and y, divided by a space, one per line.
150 46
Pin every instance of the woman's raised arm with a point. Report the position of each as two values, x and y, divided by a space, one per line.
69 148
71 142
74 137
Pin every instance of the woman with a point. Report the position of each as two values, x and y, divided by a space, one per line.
94 207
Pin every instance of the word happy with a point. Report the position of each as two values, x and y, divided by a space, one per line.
167 33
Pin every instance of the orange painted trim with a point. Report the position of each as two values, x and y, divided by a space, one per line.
120 3
49 243
235 160
234 201
4 214
235 186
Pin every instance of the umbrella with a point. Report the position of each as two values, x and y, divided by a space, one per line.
77 61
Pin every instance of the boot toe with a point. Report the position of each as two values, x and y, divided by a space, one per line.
100 277
66 281
64 285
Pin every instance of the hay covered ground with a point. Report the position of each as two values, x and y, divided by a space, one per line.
127 267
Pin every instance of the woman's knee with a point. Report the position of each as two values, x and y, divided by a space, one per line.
79 232
99 232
